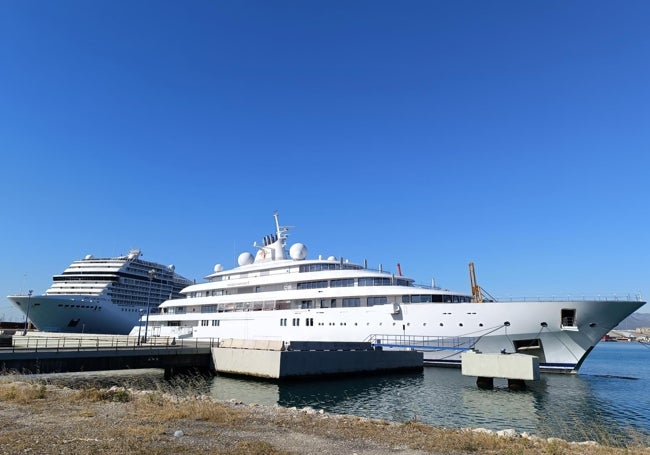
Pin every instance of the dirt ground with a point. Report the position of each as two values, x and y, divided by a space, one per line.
46 419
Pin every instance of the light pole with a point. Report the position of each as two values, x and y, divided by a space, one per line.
152 273
139 326
29 301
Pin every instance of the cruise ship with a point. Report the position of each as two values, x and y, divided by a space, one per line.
279 294
102 295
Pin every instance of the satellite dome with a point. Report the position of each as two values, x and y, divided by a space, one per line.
218 268
88 256
245 258
331 258
171 267
298 252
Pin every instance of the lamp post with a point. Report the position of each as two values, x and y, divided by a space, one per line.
29 301
152 273
140 325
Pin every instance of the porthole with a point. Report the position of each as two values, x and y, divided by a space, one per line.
441 324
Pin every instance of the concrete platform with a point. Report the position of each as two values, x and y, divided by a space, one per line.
277 360
516 368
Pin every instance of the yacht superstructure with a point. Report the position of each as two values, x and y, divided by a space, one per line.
281 295
102 295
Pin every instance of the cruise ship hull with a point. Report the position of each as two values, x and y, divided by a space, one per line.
76 314
443 331
101 295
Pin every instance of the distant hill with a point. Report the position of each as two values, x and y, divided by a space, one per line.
634 321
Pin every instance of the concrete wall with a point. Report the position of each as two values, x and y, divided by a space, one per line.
249 362
509 366
287 364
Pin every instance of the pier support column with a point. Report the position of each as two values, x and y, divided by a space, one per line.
516 385
169 372
485 383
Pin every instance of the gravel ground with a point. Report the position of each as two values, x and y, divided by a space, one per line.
47 419
62 422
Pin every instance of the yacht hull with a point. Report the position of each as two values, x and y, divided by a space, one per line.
441 330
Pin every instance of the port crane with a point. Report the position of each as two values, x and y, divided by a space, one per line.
477 291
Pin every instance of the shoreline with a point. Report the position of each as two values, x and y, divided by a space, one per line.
48 419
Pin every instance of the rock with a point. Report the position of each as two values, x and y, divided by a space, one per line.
178 433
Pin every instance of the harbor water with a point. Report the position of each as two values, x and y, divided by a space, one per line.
607 401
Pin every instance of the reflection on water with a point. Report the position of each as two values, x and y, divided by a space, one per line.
601 403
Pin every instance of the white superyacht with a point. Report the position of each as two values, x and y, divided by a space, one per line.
277 294
101 295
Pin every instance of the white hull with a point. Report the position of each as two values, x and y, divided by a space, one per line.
431 327
101 295
277 294
77 314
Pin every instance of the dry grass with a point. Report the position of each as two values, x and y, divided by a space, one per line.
45 419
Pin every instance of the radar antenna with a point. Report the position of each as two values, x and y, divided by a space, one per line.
282 231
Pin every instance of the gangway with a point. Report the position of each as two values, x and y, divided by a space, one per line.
422 343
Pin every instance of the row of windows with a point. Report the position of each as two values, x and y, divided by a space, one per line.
295 322
323 303
375 281
312 285
428 298
349 282
327 266
206 322
90 307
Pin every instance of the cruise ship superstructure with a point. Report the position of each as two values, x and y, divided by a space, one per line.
102 295
275 294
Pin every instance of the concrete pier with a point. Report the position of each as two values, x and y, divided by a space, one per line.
516 368
43 353
276 360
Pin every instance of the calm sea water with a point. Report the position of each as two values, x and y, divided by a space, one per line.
607 401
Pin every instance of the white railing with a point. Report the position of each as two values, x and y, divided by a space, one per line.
68 343
575 297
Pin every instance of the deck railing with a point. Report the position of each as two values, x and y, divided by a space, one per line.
422 343
99 342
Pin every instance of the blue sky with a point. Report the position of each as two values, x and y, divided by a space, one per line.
427 133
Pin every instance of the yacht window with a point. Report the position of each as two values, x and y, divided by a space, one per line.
312 285
343 283
377 301
318 267
352 302
215 323
374 281
306 304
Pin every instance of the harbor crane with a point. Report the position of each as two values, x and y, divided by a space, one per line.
477 291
